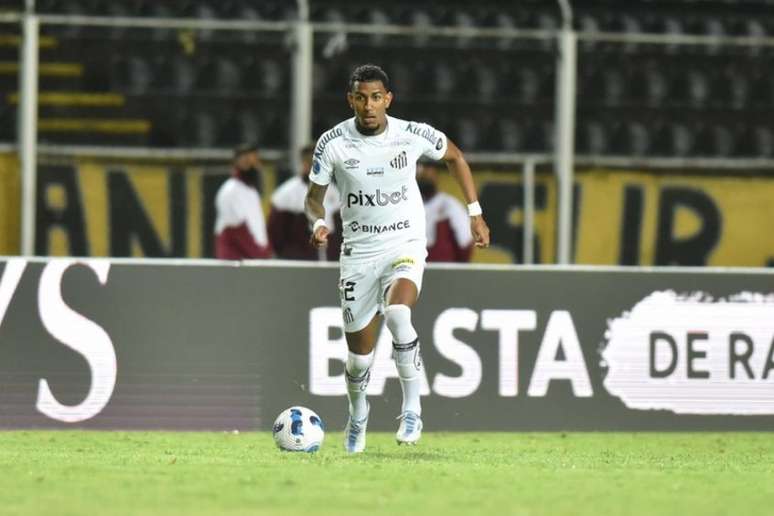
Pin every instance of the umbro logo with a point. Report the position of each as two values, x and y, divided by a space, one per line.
352 163
400 161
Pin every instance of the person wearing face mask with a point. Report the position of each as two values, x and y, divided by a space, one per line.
289 229
448 228
240 228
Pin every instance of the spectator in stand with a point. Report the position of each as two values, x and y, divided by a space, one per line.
240 228
289 229
448 224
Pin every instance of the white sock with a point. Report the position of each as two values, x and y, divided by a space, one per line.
405 351
358 372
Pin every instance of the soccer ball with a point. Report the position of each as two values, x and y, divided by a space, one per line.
298 429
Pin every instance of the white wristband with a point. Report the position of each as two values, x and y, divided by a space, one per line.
474 209
317 225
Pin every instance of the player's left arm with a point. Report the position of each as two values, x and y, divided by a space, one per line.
460 169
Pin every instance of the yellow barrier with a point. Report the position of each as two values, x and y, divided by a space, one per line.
10 193
622 217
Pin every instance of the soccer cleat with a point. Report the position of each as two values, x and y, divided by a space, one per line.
410 429
355 435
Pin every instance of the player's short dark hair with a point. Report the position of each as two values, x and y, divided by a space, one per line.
245 148
369 73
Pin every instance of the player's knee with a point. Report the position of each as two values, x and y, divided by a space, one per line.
358 365
398 319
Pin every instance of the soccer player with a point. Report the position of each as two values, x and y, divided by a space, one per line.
372 159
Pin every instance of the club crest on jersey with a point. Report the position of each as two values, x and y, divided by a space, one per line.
351 163
399 161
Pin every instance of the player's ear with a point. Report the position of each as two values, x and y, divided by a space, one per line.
389 99
349 100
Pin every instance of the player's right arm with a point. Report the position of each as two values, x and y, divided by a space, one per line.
319 178
315 212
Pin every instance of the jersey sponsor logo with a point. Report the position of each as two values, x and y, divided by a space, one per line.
425 132
316 166
375 171
403 264
379 228
351 163
378 198
326 139
399 161
403 261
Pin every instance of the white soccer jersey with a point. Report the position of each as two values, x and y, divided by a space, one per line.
376 176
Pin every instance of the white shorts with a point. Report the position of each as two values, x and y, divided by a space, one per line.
363 284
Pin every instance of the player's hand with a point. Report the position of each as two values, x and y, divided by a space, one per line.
319 238
480 231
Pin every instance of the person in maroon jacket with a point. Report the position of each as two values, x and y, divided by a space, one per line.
448 224
240 228
289 229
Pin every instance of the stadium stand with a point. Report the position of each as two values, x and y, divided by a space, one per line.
202 88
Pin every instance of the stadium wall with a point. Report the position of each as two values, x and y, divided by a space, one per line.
180 344
92 207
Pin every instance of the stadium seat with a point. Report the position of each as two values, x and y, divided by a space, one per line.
683 140
229 75
764 142
402 78
136 75
205 129
589 24
511 136
698 88
249 127
613 86
183 75
445 80
467 131
503 20
160 10
597 138
420 19
722 141
527 87
377 17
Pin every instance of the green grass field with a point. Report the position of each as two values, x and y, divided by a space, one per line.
158 473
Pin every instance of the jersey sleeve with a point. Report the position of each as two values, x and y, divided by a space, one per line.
432 142
322 163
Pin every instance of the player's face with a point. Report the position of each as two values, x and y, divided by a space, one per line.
369 100
248 161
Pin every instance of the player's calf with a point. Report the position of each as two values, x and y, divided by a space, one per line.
408 362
